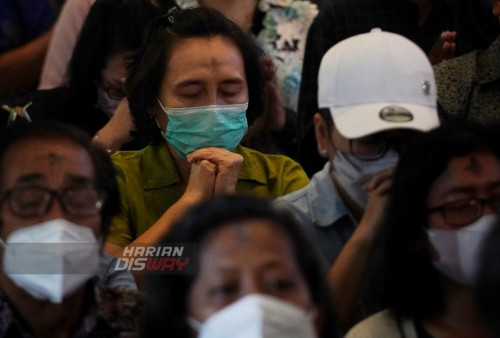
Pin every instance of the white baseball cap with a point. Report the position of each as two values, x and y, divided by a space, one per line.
377 81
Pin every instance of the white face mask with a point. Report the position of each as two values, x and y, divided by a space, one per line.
256 316
36 259
107 104
460 250
352 173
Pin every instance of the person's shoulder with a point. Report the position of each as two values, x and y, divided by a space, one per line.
383 324
457 67
128 162
278 171
252 153
271 163
119 308
130 156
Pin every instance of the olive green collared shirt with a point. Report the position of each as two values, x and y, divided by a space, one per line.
149 184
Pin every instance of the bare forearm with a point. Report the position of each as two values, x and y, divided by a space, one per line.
347 275
159 229
21 67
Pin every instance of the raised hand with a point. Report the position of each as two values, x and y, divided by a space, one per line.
443 48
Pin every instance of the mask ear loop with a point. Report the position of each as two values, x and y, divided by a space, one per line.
156 119
194 324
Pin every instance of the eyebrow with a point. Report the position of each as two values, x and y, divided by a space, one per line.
78 179
37 178
268 265
233 81
471 189
30 178
199 82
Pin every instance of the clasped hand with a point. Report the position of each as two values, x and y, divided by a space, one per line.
214 171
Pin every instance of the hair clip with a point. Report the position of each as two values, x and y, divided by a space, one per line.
163 21
17 111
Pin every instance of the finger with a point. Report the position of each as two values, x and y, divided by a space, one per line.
449 36
384 187
218 156
203 166
379 178
448 50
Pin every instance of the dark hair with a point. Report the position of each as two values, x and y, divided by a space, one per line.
111 26
488 282
327 117
104 169
162 37
412 286
166 307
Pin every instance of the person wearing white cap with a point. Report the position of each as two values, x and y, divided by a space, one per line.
375 92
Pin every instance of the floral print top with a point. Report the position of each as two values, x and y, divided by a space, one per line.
106 313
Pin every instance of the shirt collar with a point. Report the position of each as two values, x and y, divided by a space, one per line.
325 203
159 169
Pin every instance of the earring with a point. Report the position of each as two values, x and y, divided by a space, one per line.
323 152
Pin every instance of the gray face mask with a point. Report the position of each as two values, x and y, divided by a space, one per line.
352 173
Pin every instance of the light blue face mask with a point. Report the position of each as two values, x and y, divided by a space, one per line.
193 128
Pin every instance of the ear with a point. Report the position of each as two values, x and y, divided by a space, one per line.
158 115
323 142
496 7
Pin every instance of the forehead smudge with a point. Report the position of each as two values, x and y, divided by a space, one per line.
54 158
473 166
241 231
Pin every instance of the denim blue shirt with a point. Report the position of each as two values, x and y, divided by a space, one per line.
320 208
109 277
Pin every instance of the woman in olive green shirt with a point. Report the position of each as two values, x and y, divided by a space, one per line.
191 91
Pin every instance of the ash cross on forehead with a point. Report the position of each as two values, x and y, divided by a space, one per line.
54 158
474 166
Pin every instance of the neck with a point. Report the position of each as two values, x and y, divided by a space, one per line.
239 11
183 167
460 316
45 319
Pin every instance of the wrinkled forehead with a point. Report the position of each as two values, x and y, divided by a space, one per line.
40 156
474 173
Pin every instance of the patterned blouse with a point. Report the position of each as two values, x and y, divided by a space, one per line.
107 313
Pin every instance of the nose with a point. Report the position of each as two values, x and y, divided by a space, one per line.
56 210
251 285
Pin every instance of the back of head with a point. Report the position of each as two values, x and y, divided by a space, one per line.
412 286
377 81
162 36
111 26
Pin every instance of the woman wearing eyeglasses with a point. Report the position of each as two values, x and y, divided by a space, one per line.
442 207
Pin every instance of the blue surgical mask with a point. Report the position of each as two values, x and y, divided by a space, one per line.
193 128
